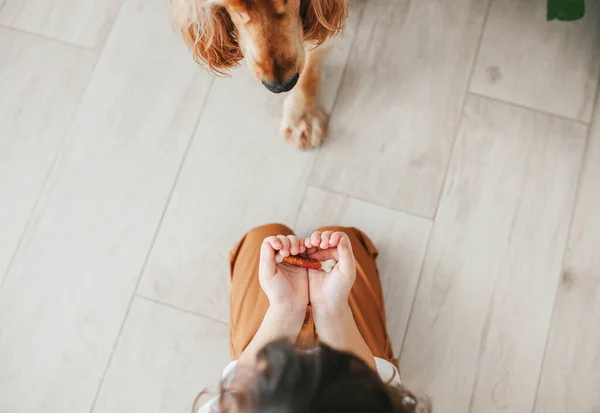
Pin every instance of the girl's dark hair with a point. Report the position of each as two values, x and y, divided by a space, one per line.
323 380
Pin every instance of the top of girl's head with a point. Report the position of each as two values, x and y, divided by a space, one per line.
287 380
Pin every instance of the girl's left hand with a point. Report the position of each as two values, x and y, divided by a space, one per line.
286 286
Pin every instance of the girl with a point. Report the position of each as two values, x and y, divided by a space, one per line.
305 340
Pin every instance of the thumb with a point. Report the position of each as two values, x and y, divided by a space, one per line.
346 256
267 267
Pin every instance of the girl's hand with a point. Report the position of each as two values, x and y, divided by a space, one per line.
329 292
286 286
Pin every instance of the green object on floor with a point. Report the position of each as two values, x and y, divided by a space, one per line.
566 10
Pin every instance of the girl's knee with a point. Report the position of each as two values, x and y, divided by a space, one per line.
334 228
268 230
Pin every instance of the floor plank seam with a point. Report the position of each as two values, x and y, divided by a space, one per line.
306 186
333 106
530 109
412 305
104 39
152 242
411 214
53 39
350 49
181 310
55 158
482 342
462 109
566 246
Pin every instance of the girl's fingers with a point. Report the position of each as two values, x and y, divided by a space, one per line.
290 244
294 245
315 239
325 239
274 242
302 247
285 245
328 244
335 238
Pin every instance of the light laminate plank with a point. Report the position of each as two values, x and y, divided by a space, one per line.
400 102
63 302
482 311
37 105
163 360
571 375
81 22
549 66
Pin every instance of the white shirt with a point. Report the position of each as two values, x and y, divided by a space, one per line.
386 370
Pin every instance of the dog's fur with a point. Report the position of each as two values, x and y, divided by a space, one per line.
279 39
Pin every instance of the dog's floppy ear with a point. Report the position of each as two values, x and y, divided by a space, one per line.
208 32
322 19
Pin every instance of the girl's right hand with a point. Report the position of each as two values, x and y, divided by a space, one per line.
329 292
286 286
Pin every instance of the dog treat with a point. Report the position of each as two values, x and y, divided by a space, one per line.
305 262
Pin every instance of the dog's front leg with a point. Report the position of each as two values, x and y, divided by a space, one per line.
304 123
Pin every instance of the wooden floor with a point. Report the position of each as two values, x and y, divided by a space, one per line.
464 138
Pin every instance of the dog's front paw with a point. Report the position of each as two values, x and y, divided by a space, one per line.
304 126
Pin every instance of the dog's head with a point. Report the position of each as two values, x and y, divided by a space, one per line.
270 34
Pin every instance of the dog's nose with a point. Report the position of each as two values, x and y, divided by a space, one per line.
284 86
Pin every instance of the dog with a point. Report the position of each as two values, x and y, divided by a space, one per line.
283 42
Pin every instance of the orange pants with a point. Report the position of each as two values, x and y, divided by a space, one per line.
249 303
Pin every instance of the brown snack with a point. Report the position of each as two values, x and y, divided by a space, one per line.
305 262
